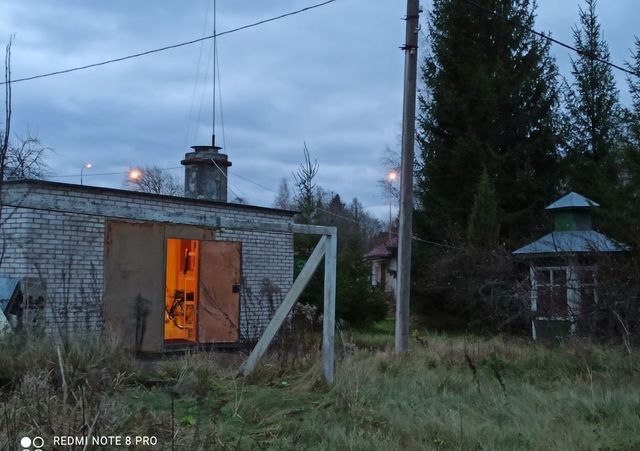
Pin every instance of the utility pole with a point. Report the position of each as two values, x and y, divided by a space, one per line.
406 177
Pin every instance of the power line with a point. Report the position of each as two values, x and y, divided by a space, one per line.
215 62
553 40
95 174
255 183
235 174
169 47
197 77
224 139
346 218
228 181
204 88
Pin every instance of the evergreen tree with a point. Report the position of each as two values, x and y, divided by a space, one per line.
357 301
593 115
628 205
306 198
633 116
484 227
489 101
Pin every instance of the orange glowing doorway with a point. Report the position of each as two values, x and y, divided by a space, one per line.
181 293
202 292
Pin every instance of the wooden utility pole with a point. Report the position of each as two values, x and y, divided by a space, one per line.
403 287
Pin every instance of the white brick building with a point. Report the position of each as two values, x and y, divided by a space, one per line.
158 270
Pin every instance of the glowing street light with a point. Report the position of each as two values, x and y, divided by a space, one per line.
84 166
135 174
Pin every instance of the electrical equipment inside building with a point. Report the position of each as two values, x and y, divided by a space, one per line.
181 292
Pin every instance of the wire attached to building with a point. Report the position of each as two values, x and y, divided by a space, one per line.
224 138
215 61
197 77
229 182
346 218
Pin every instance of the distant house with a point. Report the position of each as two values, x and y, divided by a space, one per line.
158 271
562 267
384 264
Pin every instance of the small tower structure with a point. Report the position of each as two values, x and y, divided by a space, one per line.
205 172
572 212
563 268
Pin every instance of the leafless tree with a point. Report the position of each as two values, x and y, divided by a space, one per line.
391 163
284 198
25 159
153 179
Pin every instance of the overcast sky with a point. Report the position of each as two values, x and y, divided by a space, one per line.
330 77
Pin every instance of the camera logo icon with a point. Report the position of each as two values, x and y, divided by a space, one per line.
36 442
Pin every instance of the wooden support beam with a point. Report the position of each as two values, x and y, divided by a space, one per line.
329 316
285 307
276 227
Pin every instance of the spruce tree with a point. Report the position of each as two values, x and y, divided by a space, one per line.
490 100
628 205
484 228
633 116
593 115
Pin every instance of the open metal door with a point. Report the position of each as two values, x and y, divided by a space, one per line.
219 292
134 287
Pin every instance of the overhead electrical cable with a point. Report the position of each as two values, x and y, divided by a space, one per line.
215 61
235 174
204 88
553 40
197 76
346 218
244 196
224 139
169 47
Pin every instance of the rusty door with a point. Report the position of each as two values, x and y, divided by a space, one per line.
219 304
134 284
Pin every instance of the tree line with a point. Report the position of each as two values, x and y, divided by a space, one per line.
501 134
357 300
497 119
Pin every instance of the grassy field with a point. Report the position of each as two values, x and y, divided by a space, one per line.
449 393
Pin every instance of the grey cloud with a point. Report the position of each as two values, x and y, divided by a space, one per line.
331 77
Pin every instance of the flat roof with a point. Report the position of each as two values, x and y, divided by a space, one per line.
124 192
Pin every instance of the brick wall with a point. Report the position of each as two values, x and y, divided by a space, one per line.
56 233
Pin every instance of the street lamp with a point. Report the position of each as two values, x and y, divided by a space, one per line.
87 166
391 177
135 174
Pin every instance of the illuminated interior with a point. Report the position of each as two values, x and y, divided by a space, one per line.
181 291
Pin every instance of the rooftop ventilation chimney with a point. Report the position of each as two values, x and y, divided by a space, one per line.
205 172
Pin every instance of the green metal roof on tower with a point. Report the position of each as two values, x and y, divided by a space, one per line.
573 230
571 201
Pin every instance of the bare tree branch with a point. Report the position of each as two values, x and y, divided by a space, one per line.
154 179
25 159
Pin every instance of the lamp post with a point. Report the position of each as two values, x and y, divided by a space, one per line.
87 166
391 176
